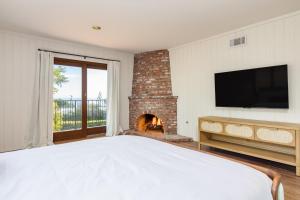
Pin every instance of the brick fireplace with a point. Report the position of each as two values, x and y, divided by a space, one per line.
152 106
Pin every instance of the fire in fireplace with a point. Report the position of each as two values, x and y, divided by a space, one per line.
149 123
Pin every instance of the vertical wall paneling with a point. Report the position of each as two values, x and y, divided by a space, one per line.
193 66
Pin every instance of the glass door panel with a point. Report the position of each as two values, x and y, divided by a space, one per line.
79 103
67 98
96 97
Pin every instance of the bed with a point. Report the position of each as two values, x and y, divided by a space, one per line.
128 168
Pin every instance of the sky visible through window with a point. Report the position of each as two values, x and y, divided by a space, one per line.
96 84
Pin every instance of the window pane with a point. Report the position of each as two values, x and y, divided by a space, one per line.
67 104
96 97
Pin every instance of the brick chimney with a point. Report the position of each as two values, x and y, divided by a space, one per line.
152 90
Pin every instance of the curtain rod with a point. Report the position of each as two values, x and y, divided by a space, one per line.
71 54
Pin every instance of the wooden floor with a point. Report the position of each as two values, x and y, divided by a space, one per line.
291 182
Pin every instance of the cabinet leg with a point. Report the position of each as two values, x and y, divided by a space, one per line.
298 170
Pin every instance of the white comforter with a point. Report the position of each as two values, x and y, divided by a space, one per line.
126 168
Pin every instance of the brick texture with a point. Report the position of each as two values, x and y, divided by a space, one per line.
152 90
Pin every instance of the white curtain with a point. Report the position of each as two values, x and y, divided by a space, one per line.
113 73
41 126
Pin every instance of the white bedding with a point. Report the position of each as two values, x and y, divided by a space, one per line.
126 168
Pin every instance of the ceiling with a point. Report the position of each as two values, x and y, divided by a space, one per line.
136 25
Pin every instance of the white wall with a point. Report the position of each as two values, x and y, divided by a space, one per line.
193 65
17 61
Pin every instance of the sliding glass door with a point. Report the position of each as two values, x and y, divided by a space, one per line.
79 105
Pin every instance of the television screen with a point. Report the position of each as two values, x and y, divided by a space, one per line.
254 88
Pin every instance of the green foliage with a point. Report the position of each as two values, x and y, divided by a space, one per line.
59 78
57 118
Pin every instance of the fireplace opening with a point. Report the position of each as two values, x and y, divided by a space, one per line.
150 124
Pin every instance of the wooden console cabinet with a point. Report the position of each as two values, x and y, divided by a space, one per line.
275 141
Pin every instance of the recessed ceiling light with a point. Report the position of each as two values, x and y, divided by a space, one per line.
96 28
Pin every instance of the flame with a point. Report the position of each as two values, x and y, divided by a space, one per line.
154 121
158 122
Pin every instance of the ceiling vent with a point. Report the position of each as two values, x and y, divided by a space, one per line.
238 41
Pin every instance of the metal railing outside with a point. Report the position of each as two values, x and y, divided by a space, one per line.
67 114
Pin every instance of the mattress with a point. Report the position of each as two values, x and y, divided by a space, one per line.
126 168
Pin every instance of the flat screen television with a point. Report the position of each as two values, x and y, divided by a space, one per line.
265 87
